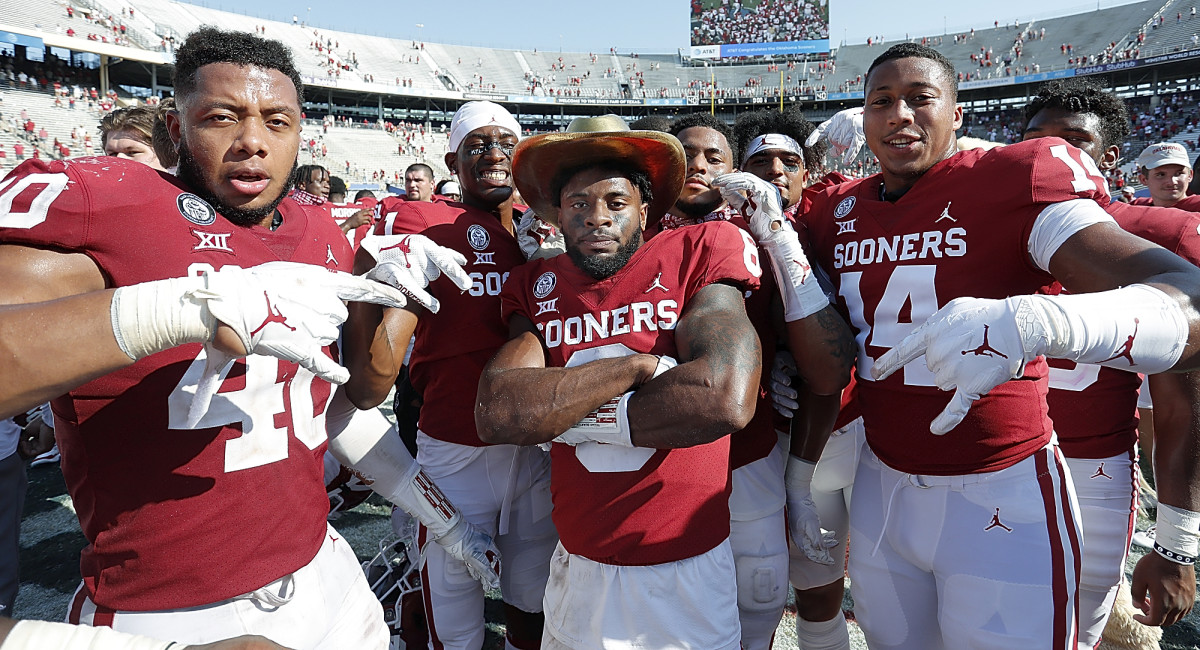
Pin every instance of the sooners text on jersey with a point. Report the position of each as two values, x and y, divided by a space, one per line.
894 264
621 505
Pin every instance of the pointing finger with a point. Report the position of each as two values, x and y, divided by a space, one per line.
912 347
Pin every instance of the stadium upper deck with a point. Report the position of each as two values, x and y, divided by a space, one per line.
378 67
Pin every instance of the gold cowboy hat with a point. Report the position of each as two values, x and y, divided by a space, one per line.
538 159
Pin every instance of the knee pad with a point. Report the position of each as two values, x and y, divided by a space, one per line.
761 582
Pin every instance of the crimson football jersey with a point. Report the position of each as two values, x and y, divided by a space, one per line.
756 441
1190 203
455 344
962 230
1094 408
178 517
343 211
623 505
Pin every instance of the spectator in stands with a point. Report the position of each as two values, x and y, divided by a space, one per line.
1164 168
312 184
418 183
337 190
18 151
129 133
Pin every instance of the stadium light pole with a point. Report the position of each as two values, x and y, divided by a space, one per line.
420 32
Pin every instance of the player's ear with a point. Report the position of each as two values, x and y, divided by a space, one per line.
643 212
1110 157
451 159
958 116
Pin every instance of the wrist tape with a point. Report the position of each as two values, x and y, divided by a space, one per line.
154 316
1178 535
802 294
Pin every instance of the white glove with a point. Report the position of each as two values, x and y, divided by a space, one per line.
845 133
411 262
286 310
476 549
609 422
804 524
783 396
763 209
973 345
420 497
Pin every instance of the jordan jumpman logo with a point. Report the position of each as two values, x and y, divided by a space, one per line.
657 285
996 522
273 316
985 350
403 247
1127 348
1100 472
329 258
946 214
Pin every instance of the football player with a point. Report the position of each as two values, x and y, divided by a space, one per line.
1094 408
759 494
503 489
114 275
771 148
963 510
637 360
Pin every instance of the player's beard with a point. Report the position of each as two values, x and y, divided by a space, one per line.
191 174
698 209
602 267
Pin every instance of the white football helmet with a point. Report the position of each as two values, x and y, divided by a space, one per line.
394 571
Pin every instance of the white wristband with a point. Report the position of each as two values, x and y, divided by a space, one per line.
154 316
44 635
802 294
1178 534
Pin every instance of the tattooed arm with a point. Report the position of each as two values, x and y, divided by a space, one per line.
712 392
823 347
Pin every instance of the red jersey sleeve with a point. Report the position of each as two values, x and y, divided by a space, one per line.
725 253
47 203
1060 172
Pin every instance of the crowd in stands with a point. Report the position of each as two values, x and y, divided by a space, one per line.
769 21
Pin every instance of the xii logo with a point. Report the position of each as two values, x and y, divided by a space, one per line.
212 241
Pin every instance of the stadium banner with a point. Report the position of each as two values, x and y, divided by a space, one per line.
1045 76
601 101
1108 67
667 101
485 96
533 99
987 83
722 29
1168 58
839 97
23 40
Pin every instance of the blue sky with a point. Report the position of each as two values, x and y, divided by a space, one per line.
643 25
